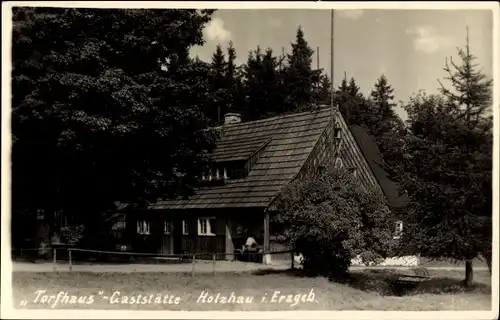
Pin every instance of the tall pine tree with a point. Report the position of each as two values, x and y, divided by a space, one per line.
234 81
470 93
220 90
352 103
253 91
324 90
300 77
264 88
448 171
386 126
382 98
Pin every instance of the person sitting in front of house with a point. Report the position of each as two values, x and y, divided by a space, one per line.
252 247
251 244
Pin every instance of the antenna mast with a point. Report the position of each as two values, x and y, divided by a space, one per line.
332 89
317 58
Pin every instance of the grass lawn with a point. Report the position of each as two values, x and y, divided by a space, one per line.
367 290
426 262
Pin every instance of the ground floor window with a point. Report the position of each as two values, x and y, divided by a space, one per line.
143 227
167 227
119 226
239 229
185 227
399 230
206 226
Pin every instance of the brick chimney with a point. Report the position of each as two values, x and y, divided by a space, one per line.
230 118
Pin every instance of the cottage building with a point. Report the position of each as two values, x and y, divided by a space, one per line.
252 163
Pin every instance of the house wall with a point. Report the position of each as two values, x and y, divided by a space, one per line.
320 153
231 231
346 149
352 157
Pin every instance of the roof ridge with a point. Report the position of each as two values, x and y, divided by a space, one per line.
287 137
284 116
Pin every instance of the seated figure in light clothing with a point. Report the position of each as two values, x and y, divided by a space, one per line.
251 244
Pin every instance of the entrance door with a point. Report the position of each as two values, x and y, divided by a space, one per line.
167 244
177 236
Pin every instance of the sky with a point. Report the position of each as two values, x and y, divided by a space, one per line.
408 46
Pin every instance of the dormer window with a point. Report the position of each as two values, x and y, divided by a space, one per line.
215 175
235 173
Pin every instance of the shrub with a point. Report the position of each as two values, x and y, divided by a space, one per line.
330 219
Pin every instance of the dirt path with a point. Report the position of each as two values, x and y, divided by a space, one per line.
200 267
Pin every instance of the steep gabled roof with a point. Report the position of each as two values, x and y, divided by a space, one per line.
373 156
285 143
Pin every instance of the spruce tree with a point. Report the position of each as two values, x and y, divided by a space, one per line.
220 90
382 98
300 76
448 170
342 99
233 81
272 90
253 91
470 93
353 104
324 90
264 85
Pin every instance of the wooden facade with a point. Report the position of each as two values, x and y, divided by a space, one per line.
253 162
227 231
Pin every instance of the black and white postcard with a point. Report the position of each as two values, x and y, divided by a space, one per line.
250 159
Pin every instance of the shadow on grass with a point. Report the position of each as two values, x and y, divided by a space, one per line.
382 282
299 273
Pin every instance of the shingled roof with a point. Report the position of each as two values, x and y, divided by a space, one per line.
374 158
284 143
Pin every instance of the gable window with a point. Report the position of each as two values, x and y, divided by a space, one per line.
167 227
143 227
336 133
338 163
399 230
185 228
205 226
